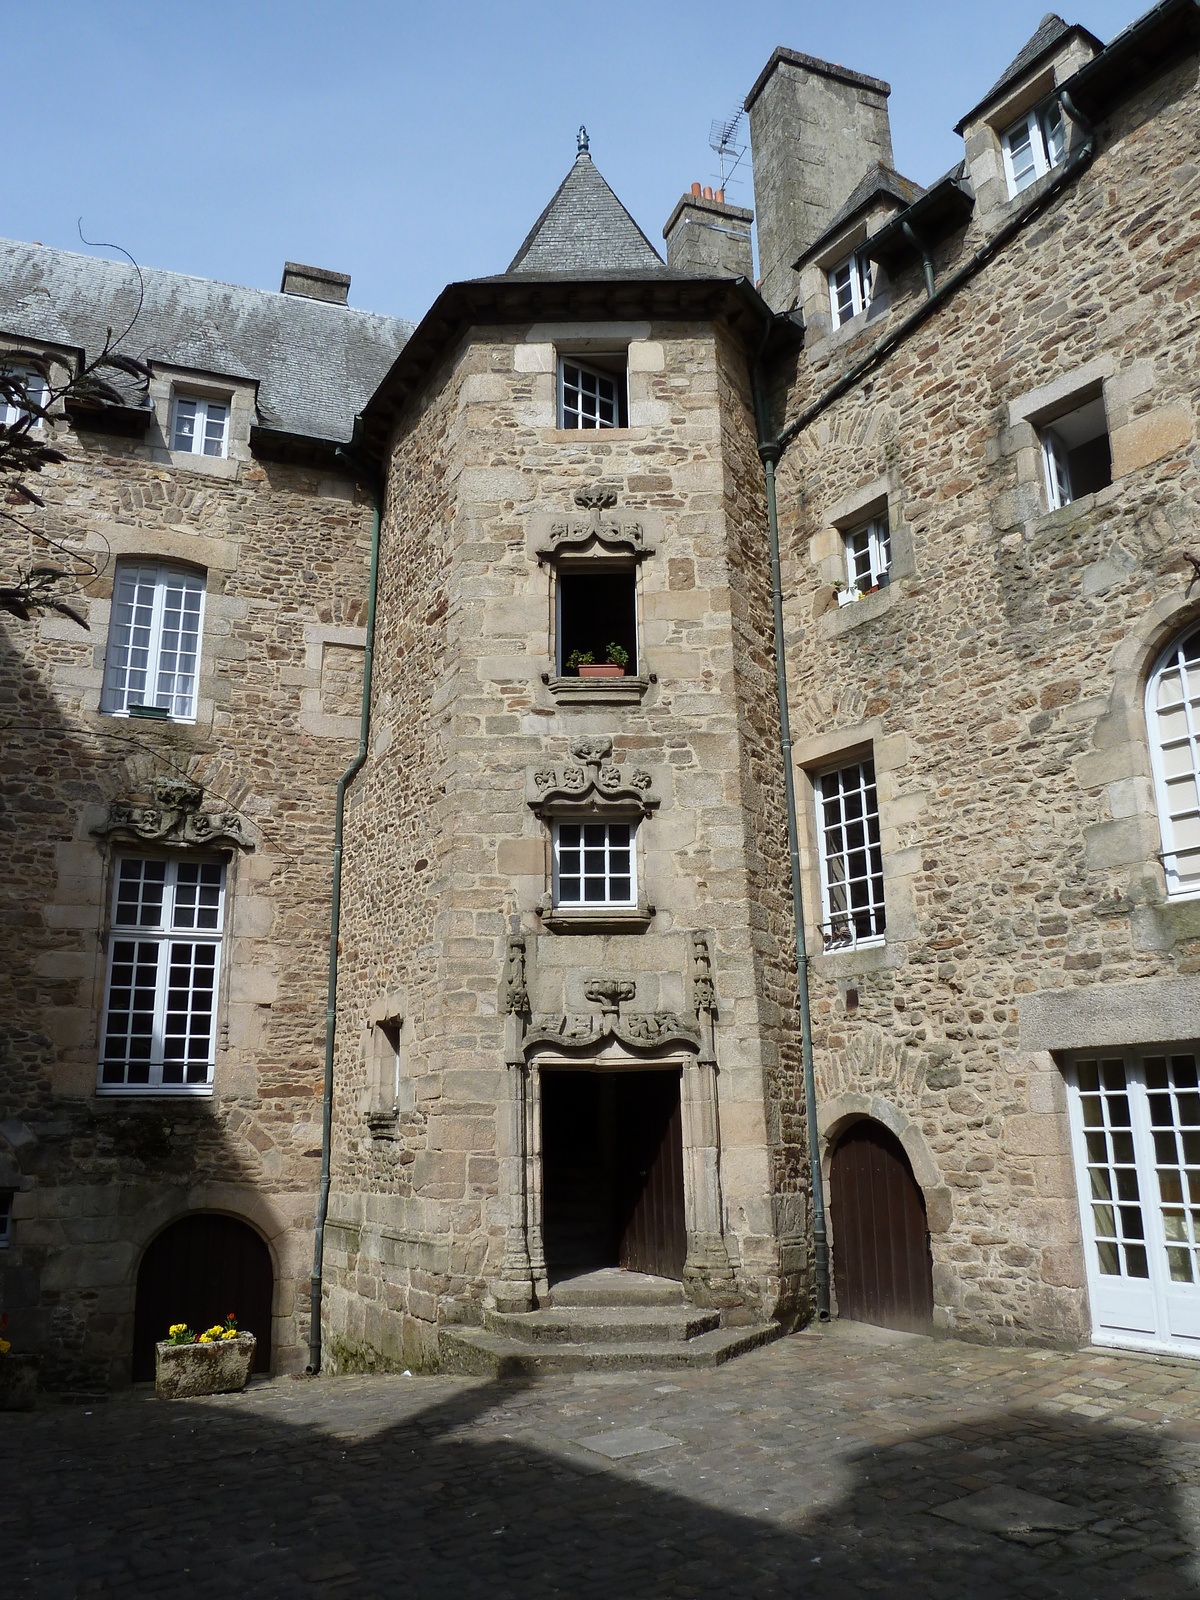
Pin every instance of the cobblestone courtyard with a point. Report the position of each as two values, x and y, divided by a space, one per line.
827 1463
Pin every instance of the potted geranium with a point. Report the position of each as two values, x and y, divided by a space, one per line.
217 1361
18 1374
585 663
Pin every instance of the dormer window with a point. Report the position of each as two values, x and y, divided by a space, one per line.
1033 145
22 396
200 427
850 287
593 392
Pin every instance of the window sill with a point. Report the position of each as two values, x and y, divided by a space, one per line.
143 1091
1063 516
206 466
841 619
598 691
854 962
595 435
138 716
598 919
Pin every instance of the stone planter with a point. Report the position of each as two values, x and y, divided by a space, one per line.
18 1382
602 669
184 1370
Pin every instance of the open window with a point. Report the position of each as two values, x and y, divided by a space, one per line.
850 284
1033 145
868 558
152 662
593 390
1075 453
23 393
851 856
597 621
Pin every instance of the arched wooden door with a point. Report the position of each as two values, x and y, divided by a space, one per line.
196 1271
882 1270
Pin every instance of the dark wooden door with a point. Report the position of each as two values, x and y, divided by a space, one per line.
196 1271
881 1264
653 1237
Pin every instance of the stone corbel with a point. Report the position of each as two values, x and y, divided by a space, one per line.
174 819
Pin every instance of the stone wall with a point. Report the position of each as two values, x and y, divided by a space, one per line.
420 1215
998 682
285 556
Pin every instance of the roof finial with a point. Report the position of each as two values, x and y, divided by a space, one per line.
581 141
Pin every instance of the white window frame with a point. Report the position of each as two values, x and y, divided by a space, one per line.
1058 472
852 900
860 277
1043 133
579 409
6 1205
151 637
1175 762
35 387
161 945
868 547
605 875
204 412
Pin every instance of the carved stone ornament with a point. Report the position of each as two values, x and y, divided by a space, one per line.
516 993
614 533
704 996
640 1032
175 818
599 785
610 993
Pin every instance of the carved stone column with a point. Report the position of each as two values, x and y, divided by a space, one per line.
706 1273
534 1188
513 1290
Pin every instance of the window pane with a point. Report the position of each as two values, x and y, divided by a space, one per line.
214 429
851 860
1019 142
130 637
184 436
1054 134
139 898
595 864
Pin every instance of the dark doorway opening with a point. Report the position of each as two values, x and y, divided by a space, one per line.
882 1268
612 1172
196 1271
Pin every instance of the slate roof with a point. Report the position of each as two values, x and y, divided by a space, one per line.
879 181
585 229
316 363
1050 33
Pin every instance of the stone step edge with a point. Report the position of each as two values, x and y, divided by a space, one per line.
603 1324
563 1297
474 1352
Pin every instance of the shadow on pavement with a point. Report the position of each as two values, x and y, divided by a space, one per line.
144 1499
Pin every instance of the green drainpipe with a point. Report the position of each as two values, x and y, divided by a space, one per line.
344 782
769 450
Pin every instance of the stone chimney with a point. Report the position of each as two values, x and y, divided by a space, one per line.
706 234
815 130
315 283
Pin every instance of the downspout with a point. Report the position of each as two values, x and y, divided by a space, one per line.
376 489
769 450
922 250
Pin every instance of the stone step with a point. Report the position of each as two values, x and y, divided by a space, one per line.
613 1286
637 1324
478 1352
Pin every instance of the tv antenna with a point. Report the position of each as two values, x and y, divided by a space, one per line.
727 138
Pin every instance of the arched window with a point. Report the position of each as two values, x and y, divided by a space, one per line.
1173 721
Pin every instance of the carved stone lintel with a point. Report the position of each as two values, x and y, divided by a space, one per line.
640 1032
616 534
597 779
175 818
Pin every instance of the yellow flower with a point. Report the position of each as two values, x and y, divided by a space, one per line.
230 1333
5 1347
177 1328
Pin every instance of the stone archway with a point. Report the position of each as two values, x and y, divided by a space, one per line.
196 1270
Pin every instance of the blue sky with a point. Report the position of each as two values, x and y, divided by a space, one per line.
411 145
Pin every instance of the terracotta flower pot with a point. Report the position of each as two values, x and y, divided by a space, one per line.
184 1370
602 669
18 1382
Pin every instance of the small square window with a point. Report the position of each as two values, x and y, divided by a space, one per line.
151 666
597 621
1076 454
593 391
6 1205
868 558
851 856
22 394
200 427
594 864
1033 145
850 287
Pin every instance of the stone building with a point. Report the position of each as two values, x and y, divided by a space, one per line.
572 1018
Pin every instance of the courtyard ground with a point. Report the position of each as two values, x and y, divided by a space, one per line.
826 1464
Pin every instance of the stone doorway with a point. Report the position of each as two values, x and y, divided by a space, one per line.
196 1271
612 1172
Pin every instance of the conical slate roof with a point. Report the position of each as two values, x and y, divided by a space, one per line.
585 229
1048 35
